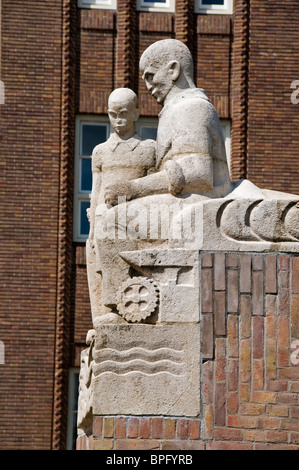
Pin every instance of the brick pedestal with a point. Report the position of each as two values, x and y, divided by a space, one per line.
249 364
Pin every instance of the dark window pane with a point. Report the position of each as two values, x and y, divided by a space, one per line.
84 223
92 135
76 391
86 175
148 132
212 2
74 415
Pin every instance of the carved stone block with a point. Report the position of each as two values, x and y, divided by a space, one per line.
245 224
176 277
147 370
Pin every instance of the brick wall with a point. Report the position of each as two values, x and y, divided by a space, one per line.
249 385
95 54
30 156
273 142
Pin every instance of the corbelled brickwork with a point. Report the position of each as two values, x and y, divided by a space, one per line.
239 95
65 217
184 23
30 171
249 382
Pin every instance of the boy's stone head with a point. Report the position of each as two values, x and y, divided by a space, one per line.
123 111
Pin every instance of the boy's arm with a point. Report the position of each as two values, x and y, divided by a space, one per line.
96 186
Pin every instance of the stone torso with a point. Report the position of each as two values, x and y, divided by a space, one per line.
120 161
189 124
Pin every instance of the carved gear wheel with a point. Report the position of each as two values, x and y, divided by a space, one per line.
137 298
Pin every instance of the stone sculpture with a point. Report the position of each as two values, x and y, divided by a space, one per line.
191 180
123 157
143 270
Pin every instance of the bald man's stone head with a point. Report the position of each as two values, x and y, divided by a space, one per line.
162 52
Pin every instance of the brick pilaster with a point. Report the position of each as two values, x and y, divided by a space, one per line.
184 23
65 215
239 89
126 44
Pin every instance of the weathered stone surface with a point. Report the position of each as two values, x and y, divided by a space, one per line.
147 369
123 157
175 193
176 277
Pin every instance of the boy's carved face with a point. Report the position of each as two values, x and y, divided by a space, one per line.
122 114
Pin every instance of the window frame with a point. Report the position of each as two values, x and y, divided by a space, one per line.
146 122
72 410
226 9
80 195
98 4
169 6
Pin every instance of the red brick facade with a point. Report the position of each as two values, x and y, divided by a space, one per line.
58 61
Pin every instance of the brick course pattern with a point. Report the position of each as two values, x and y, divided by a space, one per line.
272 148
249 384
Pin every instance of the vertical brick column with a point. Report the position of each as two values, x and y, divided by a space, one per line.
239 89
126 44
64 272
185 23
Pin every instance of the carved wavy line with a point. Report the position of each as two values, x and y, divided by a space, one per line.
138 365
138 372
143 344
140 353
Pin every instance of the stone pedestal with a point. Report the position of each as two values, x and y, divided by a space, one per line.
228 381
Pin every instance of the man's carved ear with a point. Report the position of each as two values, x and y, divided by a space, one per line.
174 69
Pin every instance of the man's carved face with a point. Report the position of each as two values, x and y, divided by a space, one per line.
158 81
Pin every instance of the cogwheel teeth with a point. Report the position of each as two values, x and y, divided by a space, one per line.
137 298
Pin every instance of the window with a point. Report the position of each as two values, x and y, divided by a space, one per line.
72 409
156 5
104 4
147 128
89 133
216 6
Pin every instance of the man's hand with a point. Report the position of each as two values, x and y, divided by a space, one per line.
114 191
